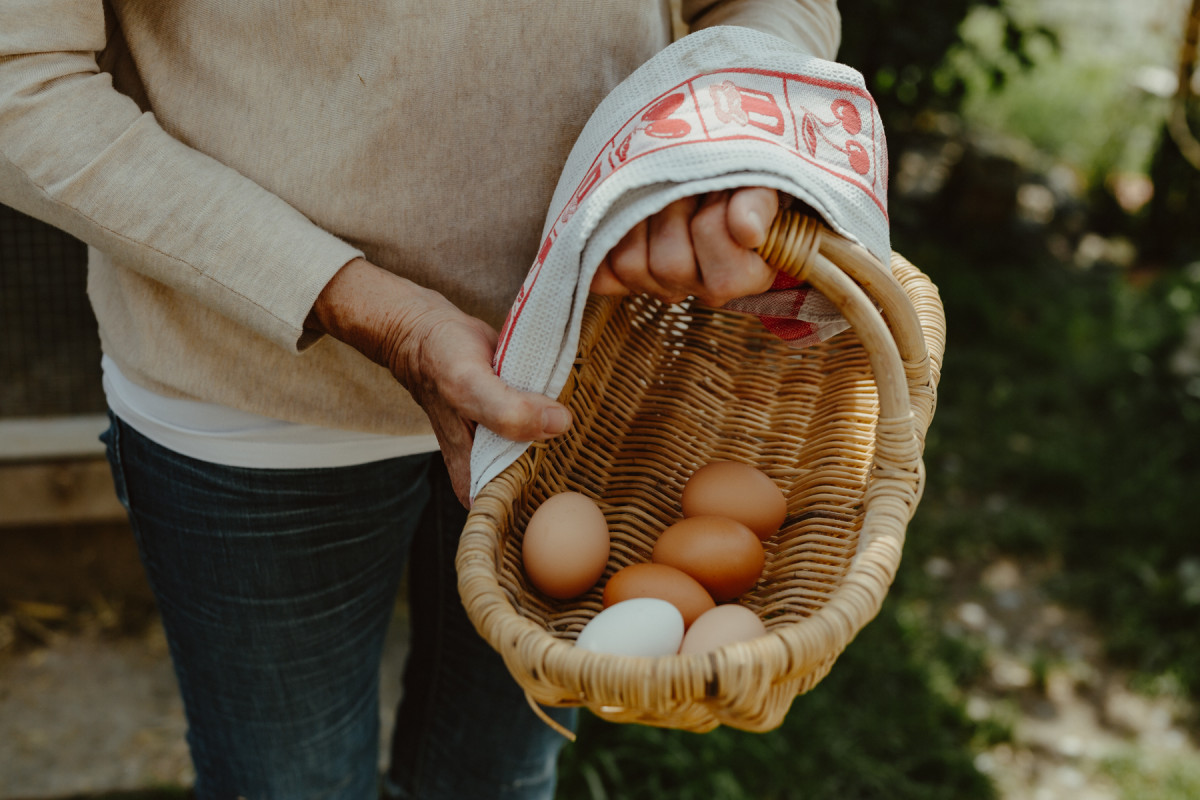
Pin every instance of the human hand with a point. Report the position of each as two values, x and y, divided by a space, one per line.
442 356
700 247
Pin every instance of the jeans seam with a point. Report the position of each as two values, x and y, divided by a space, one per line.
117 464
439 630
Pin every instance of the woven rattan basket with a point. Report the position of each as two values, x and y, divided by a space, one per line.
658 390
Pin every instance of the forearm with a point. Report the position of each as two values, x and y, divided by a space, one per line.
373 311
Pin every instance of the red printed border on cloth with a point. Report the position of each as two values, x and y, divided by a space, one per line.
836 133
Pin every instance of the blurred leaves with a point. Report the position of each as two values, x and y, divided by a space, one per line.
901 50
1070 394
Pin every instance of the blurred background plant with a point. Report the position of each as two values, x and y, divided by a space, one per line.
1040 640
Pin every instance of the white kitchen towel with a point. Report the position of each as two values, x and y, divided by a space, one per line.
721 108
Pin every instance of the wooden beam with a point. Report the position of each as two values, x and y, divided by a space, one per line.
57 492
43 438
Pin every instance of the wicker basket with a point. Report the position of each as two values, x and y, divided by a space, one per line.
658 390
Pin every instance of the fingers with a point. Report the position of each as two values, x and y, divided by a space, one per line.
749 215
672 260
460 482
471 393
727 268
456 368
444 359
606 282
519 416
695 246
629 263
455 437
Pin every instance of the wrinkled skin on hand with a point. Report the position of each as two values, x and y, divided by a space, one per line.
697 246
441 355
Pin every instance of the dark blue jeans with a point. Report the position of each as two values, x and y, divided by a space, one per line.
276 588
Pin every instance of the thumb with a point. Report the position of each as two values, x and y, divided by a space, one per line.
513 414
749 215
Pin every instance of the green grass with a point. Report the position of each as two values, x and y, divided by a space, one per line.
1164 779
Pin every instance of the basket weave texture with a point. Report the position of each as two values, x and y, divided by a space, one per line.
659 390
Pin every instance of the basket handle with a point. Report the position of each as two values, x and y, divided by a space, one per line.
797 242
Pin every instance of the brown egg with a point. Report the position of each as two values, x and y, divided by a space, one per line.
722 625
659 580
738 491
722 554
566 544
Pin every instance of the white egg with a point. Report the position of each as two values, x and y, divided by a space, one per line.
642 626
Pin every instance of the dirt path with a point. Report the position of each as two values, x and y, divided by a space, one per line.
1079 731
88 701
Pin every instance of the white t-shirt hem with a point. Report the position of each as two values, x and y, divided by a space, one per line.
222 435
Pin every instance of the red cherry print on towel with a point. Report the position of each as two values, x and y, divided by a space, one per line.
809 130
623 147
665 107
860 162
847 114
657 115
668 128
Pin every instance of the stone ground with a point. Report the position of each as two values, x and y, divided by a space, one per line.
88 702
1079 729
88 713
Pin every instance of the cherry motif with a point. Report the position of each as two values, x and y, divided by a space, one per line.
808 129
847 114
860 162
622 151
658 115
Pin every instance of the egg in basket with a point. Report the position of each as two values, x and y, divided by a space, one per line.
659 390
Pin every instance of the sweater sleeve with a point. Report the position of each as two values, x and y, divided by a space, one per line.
80 155
813 25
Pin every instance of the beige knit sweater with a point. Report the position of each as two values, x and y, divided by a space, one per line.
227 157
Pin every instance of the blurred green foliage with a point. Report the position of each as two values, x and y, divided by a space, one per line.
1062 90
901 48
1052 97
1166 779
1068 430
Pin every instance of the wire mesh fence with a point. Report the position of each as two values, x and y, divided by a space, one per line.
49 347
